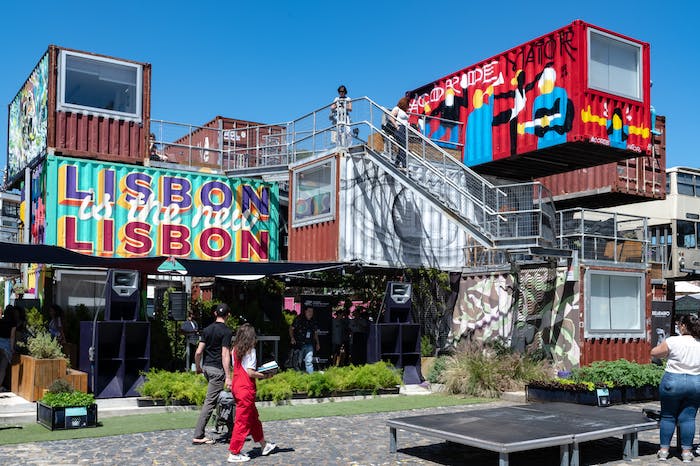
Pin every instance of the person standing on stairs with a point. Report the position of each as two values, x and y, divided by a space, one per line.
399 119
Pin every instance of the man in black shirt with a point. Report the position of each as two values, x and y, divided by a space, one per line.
304 332
213 359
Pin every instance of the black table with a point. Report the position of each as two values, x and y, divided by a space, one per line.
528 427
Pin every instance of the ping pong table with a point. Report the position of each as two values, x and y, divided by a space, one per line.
528 427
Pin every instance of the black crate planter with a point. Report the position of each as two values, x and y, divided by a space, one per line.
66 418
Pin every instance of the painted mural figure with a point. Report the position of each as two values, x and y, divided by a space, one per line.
478 145
552 112
519 96
444 127
618 132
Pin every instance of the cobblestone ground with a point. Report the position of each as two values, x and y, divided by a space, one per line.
353 440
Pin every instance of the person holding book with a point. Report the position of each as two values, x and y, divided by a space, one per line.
245 373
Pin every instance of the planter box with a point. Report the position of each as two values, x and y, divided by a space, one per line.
31 376
617 395
147 402
66 418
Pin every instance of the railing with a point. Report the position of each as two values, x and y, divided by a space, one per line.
519 214
604 236
434 128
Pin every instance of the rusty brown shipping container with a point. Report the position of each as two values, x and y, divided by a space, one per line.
612 349
627 181
80 104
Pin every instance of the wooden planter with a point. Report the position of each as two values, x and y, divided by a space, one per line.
66 418
31 376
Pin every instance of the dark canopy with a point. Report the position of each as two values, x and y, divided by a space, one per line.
44 254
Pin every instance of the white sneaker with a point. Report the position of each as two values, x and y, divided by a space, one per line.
240 458
662 455
268 448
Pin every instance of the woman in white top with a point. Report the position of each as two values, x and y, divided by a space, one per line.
400 121
679 390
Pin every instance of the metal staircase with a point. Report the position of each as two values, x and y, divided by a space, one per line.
509 217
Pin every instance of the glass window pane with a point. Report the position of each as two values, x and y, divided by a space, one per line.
685 234
100 84
685 184
599 314
624 302
614 65
313 192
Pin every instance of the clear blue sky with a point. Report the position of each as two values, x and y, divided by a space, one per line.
273 61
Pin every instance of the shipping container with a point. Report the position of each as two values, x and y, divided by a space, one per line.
222 143
347 209
83 105
626 181
119 210
574 98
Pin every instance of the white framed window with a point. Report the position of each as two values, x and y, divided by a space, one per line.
614 65
99 85
615 305
314 193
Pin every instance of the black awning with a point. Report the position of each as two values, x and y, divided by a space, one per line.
55 255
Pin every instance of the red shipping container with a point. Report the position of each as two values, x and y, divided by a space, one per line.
80 104
573 98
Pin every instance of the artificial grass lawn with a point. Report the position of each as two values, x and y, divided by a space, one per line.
186 419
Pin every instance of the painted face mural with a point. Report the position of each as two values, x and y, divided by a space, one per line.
28 115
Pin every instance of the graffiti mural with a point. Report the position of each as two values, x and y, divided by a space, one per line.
115 210
38 203
618 127
492 109
28 117
542 315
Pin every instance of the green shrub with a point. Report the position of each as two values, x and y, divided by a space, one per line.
620 373
427 348
60 386
317 384
435 374
68 399
44 346
488 370
186 387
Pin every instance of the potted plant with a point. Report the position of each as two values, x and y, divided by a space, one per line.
64 408
162 387
45 362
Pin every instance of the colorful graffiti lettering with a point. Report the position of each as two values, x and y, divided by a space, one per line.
28 116
152 212
540 312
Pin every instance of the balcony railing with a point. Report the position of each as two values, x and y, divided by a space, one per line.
604 236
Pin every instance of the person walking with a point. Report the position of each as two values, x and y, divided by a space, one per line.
304 331
679 390
213 359
245 374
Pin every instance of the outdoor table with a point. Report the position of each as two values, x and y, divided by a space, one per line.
528 427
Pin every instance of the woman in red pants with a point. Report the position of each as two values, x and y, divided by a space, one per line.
243 387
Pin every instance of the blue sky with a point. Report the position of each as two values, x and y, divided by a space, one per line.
273 61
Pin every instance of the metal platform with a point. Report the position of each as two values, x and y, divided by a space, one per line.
528 427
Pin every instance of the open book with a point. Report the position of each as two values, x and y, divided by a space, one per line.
268 366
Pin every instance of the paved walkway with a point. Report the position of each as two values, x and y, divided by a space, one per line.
353 440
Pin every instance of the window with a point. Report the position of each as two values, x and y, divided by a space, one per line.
314 194
685 234
614 65
10 209
615 304
99 85
685 184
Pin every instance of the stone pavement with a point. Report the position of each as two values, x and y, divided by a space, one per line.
353 440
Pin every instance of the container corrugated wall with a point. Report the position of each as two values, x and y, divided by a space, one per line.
611 349
383 223
630 180
98 137
316 242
